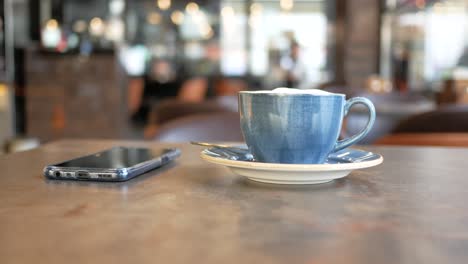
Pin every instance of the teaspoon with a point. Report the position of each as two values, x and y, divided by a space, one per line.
226 151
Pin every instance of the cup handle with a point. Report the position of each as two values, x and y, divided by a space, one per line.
341 144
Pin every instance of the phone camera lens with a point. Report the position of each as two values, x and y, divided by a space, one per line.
58 174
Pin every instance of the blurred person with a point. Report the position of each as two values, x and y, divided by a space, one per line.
275 75
401 68
460 70
159 82
463 60
202 75
199 79
296 70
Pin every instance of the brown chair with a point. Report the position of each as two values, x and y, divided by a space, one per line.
446 126
425 139
202 127
230 86
449 119
172 109
391 109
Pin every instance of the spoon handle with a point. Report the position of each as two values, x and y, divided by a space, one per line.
206 144
233 153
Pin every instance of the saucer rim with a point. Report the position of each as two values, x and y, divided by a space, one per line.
291 167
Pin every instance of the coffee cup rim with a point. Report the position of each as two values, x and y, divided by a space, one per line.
266 92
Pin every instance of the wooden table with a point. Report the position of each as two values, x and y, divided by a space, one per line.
413 208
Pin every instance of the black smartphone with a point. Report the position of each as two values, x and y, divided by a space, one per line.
115 164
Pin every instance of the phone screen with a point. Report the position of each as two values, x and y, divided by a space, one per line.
115 158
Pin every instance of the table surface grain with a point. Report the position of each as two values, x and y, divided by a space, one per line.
413 208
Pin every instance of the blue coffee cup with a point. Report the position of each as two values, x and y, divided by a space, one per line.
297 128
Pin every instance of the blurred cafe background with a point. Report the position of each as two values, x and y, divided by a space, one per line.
170 70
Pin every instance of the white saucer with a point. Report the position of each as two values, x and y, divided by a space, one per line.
340 166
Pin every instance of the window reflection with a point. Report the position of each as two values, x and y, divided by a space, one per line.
122 59
425 43
277 40
281 43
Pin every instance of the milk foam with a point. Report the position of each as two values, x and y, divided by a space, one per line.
284 90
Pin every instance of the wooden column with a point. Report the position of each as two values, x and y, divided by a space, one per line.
361 41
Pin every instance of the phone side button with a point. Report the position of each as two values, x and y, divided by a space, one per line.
82 175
